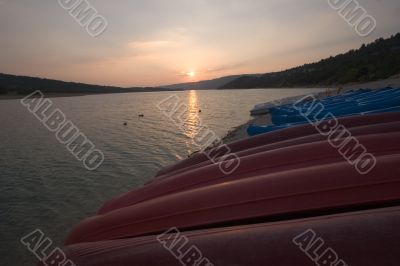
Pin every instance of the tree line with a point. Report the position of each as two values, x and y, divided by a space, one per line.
375 61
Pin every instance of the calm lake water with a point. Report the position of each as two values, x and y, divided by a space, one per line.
43 186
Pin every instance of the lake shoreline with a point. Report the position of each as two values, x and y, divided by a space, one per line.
240 132
393 82
48 95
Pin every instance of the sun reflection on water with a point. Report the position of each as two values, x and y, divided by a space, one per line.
193 119
192 125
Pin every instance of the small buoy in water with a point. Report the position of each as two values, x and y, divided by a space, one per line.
125 124
141 115
200 111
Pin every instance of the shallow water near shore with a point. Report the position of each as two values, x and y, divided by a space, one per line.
43 186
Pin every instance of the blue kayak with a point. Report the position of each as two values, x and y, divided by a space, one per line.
349 108
254 130
342 102
348 104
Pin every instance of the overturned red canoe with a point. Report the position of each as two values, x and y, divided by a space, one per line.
355 131
324 187
349 235
266 162
277 136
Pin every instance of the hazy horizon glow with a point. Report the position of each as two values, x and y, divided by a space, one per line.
158 42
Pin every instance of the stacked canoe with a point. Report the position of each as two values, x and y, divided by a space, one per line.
288 181
358 102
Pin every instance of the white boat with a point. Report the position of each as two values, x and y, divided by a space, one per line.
262 108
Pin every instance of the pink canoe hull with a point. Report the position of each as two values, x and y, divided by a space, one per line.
367 238
264 162
356 131
278 136
323 187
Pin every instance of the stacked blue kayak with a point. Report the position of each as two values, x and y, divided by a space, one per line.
352 103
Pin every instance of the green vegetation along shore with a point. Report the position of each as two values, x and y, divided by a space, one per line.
376 61
14 86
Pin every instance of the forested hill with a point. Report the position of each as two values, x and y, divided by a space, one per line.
10 84
375 61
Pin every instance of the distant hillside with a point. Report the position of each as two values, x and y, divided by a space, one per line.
24 85
203 85
375 61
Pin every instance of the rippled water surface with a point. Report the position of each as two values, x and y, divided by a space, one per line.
43 186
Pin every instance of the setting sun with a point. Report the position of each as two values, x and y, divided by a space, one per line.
191 74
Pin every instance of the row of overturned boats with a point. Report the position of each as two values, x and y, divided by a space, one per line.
290 180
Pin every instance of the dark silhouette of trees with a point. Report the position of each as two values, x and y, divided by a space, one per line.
26 85
378 60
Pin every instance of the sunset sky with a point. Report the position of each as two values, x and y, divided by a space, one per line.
158 42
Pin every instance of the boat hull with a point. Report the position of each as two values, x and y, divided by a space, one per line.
366 238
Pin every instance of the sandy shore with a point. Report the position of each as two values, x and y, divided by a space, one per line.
393 82
240 132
